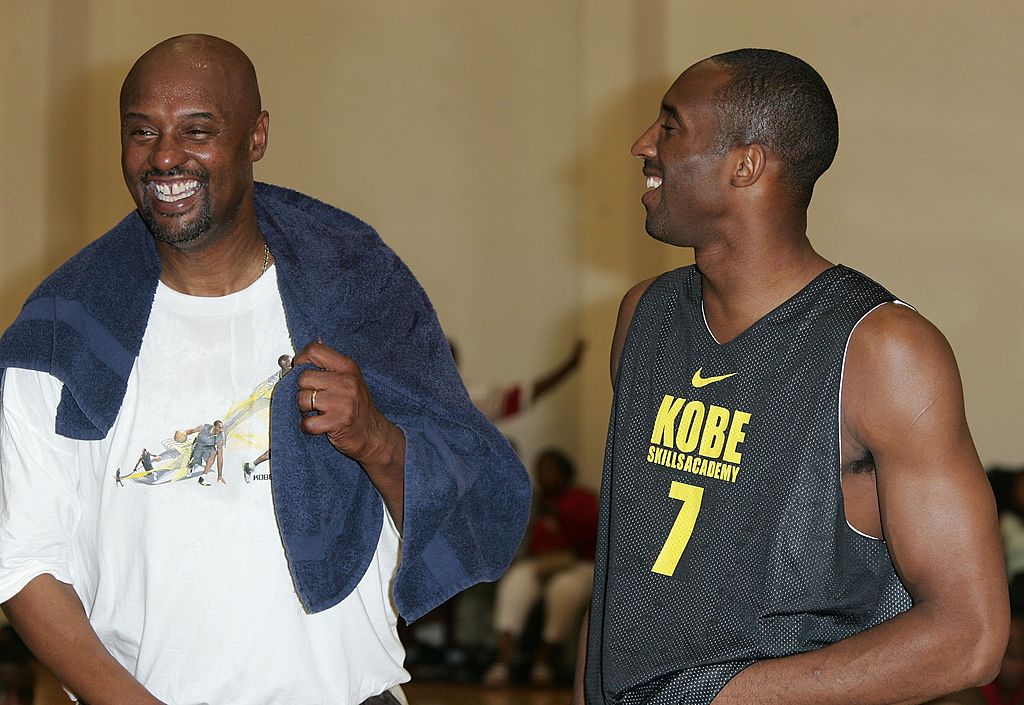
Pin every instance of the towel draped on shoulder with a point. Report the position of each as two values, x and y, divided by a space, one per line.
466 493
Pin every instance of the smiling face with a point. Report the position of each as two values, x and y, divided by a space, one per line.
190 130
687 171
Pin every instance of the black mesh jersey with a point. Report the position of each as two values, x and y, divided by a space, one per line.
723 539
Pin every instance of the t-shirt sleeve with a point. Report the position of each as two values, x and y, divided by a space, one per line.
39 507
498 402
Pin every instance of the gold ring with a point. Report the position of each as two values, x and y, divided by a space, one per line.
312 400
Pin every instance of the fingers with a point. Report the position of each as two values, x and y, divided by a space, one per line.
340 409
339 395
317 424
324 357
335 380
313 404
309 399
322 391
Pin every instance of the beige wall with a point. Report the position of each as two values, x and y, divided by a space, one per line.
930 106
488 142
450 126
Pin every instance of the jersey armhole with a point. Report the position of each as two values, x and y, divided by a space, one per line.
839 411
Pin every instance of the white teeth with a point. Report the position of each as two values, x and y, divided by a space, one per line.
169 193
653 182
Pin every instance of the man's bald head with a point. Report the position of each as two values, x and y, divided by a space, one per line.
200 54
191 129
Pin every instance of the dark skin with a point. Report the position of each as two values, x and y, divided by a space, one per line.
552 379
924 492
346 414
190 113
191 129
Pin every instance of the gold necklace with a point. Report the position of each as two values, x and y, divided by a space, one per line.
266 259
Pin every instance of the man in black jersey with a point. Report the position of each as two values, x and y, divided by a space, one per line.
792 510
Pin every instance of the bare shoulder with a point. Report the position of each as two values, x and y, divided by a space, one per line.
626 309
900 376
896 346
896 329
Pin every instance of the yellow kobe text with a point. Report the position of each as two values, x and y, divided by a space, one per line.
712 431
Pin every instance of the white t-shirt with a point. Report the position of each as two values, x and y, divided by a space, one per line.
184 578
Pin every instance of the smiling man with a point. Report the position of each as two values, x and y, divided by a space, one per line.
793 510
390 492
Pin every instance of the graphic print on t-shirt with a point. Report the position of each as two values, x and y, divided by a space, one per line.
192 453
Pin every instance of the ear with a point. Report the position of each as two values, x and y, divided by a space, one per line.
748 165
260 132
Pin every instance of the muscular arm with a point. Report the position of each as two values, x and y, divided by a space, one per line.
903 402
48 616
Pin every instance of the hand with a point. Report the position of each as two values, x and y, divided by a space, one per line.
577 352
344 407
345 412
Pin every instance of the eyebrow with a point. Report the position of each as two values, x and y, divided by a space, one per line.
673 113
190 116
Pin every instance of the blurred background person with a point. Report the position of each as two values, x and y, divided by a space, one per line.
17 674
1008 488
500 401
558 569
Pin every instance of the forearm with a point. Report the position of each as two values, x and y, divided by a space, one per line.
49 617
552 379
915 657
578 681
386 471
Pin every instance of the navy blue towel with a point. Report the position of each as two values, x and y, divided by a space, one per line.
466 493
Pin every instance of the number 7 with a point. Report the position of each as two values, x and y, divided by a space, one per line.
682 528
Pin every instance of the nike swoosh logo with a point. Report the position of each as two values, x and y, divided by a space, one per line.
699 381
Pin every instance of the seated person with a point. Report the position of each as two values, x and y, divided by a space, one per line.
558 568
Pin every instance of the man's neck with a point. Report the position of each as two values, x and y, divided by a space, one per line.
741 284
219 267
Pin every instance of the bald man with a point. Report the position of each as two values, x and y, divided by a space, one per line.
160 586
793 510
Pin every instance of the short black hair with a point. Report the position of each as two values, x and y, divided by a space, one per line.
565 465
778 101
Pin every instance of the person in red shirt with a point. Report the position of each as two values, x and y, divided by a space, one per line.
558 568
